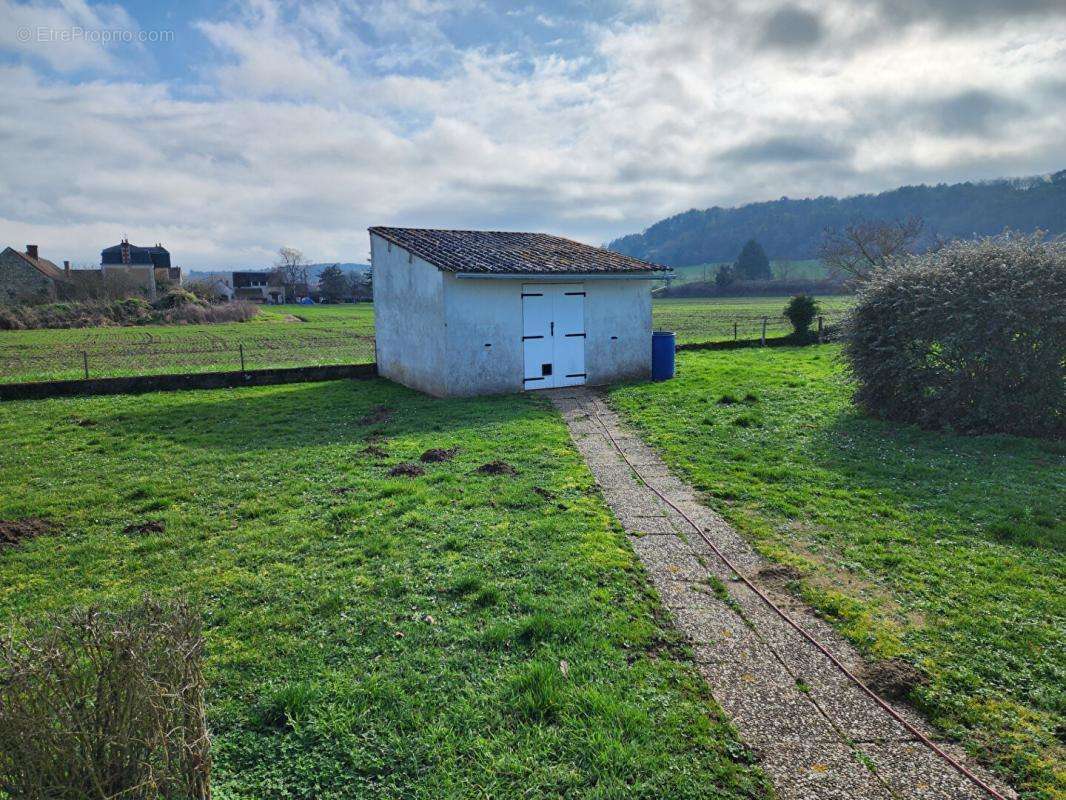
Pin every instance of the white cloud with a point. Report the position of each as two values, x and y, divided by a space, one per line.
302 140
69 36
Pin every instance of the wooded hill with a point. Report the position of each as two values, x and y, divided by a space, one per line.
793 229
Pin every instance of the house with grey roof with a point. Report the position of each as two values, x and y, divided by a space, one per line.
484 312
147 267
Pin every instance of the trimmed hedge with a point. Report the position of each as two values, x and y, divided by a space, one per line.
971 337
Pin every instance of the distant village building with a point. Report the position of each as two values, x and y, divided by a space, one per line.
149 267
258 287
222 288
25 277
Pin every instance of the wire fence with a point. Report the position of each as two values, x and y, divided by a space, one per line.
696 325
99 357
127 353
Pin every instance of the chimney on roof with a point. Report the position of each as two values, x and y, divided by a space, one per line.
66 267
31 251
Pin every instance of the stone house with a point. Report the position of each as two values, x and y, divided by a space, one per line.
28 278
148 267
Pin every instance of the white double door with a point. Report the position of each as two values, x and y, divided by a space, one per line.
553 334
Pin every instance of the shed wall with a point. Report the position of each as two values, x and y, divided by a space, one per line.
484 335
489 312
408 319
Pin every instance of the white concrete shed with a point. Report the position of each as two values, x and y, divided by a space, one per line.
461 313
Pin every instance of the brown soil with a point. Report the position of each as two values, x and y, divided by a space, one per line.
148 526
340 490
496 468
779 573
437 454
83 423
893 678
14 531
407 469
292 318
377 415
375 450
547 494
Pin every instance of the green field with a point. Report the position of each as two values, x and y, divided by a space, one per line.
279 336
947 551
295 336
714 319
451 635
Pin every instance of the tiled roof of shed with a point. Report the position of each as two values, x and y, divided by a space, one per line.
510 252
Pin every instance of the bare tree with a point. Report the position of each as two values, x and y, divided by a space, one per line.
290 270
862 246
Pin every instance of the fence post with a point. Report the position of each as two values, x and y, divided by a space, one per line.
85 362
734 330
240 345
764 331
820 339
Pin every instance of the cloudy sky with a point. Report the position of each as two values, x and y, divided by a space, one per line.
226 130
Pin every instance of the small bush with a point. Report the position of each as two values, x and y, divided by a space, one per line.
801 311
177 297
971 337
106 704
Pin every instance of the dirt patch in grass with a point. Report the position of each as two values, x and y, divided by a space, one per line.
82 422
292 318
14 531
407 469
377 416
375 450
145 527
893 678
547 494
496 468
778 573
438 454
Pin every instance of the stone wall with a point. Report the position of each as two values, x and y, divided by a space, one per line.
20 282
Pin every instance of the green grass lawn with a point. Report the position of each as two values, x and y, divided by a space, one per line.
711 319
947 551
448 635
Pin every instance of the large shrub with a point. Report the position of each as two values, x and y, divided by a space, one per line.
106 705
971 337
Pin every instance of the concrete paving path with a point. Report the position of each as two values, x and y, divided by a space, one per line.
817 735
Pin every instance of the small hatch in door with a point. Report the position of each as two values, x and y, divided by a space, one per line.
545 369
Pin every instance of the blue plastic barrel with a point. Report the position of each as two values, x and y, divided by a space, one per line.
662 355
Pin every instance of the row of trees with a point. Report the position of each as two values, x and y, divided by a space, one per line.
292 272
849 252
335 285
